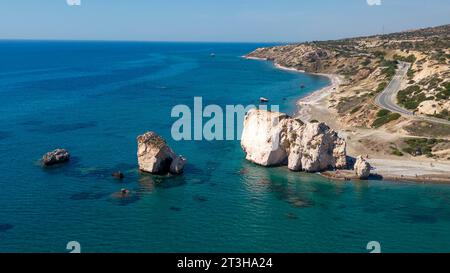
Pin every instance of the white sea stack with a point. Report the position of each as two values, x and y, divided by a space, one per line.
155 156
273 139
261 138
362 168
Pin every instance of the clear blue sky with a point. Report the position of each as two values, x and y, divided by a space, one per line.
214 20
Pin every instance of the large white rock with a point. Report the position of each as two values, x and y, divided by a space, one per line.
154 155
322 148
292 142
261 138
273 138
362 168
340 153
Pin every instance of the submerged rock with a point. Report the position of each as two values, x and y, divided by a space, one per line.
155 156
273 139
124 191
175 208
124 196
200 198
55 157
177 165
291 216
243 171
118 175
362 168
5 227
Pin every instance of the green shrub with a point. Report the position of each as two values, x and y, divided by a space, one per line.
444 93
382 86
410 59
383 112
390 68
379 54
421 146
385 119
447 86
411 97
389 72
410 73
445 114
356 109
366 62
397 152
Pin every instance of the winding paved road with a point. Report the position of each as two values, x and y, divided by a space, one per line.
387 99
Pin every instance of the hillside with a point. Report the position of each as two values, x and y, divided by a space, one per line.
366 66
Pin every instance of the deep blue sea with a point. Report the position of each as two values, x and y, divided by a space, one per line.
95 98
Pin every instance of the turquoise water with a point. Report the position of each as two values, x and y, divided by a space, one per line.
94 98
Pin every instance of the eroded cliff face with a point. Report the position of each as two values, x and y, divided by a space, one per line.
274 139
307 57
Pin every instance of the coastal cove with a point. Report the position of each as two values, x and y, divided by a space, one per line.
315 105
94 98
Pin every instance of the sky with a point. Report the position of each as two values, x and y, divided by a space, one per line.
215 20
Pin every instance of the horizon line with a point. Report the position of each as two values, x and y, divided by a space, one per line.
146 41
217 42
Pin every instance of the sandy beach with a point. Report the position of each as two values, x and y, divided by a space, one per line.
317 98
288 68
254 58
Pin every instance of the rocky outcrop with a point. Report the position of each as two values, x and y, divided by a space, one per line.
260 138
57 156
362 168
431 107
274 139
307 57
155 156
319 148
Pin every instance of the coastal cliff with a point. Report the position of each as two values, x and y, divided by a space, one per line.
305 57
364 67
367 64
274 139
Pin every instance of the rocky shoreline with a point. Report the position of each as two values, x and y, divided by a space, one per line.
306 111
299 142
312 98
275 139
